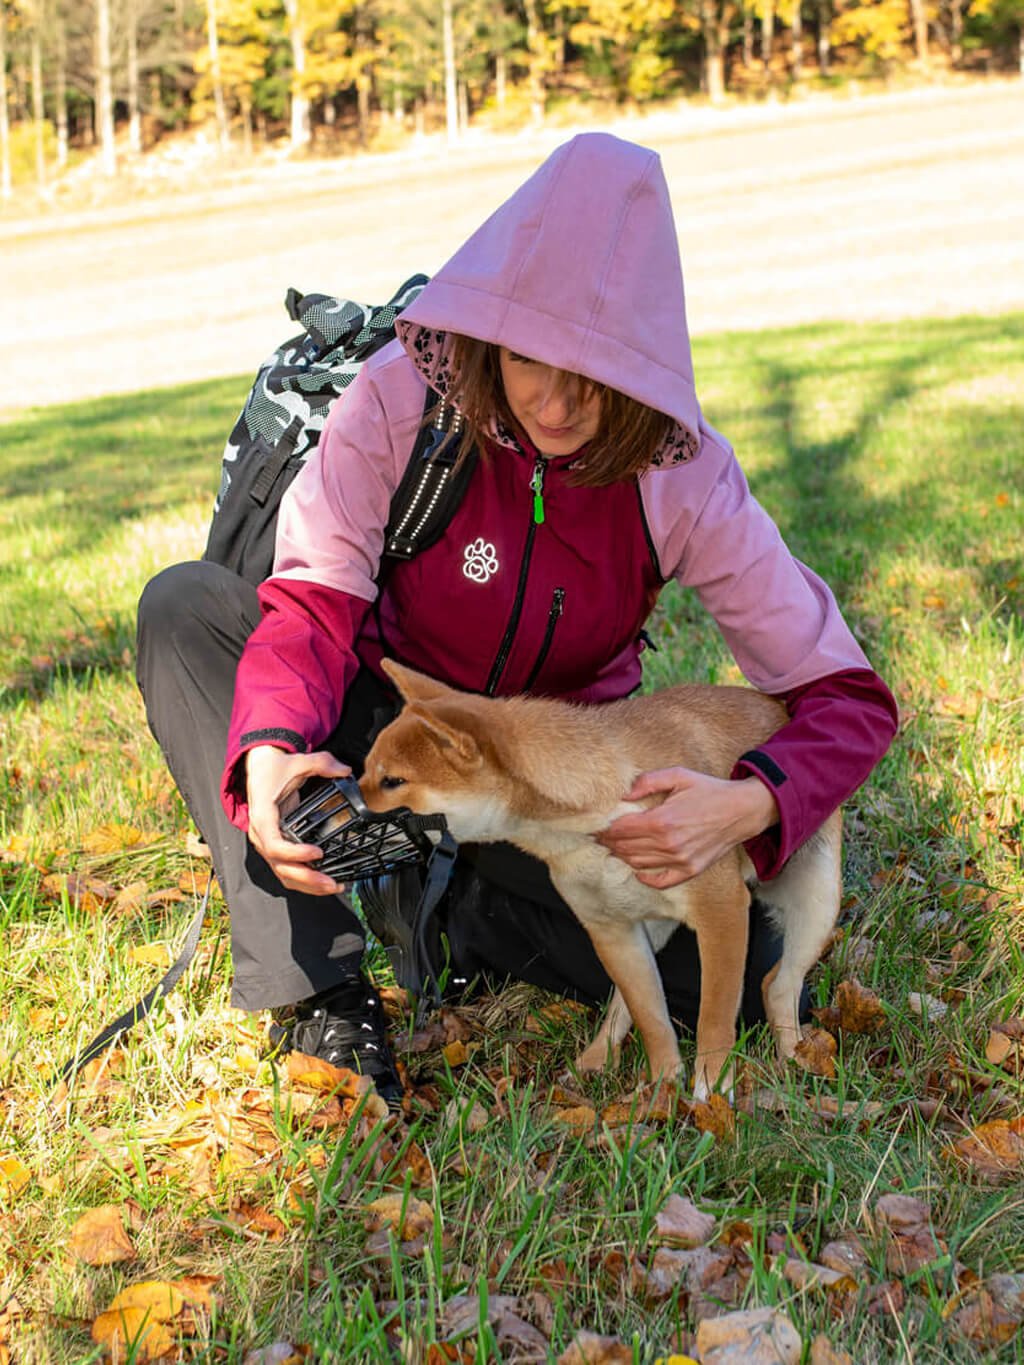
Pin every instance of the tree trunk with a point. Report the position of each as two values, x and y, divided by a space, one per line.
956 32
36 21
463 107
220 109
61 91
134 111
300 126
500 77
748 39
920 22
104 118
451 98
6 185
824 47
797 58
714 51
767 33
535 60
247 125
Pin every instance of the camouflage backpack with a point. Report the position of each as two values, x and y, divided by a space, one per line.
280 425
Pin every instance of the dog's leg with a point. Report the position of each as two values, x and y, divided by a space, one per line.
721 926
607 1043
805 897
627 956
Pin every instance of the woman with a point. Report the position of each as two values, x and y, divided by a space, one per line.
559 333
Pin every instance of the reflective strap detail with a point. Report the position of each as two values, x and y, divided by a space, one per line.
274 736
765 765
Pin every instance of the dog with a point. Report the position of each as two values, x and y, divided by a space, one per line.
548 776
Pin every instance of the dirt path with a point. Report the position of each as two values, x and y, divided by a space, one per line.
887 207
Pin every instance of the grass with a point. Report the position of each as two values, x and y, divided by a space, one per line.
891 458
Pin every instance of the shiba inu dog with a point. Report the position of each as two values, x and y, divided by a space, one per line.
548 775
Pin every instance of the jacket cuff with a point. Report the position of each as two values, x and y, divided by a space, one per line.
233 787
769 850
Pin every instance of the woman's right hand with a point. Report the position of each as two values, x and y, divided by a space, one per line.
273 779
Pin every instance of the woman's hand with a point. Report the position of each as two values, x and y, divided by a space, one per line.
273 778
699 821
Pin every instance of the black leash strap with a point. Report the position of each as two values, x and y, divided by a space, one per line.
131 1017
439 873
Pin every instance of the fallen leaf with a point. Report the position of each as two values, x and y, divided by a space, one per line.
845 1254
816 1053
195 847
407 1216
456 1053
805 1275
985 1321
88 893
860 1010
99 1237
590 1349
824 1353
715 1116
152 954
113 838
994 1149
681 1224
134 1330
759 1336
14 1175
581 1118
926 1007
277 1353
472 1117
313 1073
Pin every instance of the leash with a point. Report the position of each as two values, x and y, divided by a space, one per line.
139 1011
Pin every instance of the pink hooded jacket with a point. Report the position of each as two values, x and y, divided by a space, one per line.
579 269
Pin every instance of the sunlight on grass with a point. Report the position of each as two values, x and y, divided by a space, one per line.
890 457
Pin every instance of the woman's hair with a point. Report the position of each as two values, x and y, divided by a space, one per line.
628 435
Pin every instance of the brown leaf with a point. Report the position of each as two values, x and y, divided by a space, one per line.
759 1336
824 1353
408 1217
860 1010
256 1219
887 1298
806 1275
313 1073
88 893
816 1053
681 1224
985 1321
579 1119
993 1149
902 1213
590 1349
99 1237
715 1116
521 1341
845 1254
455 1053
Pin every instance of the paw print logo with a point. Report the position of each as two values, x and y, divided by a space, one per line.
481 561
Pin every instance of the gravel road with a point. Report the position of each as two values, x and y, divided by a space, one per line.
878 207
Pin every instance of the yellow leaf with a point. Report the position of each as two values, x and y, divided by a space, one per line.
313 1073
456 1054
161 1299
158 954
408 1216
135 1329
113 838
14 1175
99 1238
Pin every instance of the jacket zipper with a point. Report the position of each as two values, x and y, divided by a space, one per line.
536 519
557 607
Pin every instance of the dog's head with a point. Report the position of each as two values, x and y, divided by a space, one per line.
435 758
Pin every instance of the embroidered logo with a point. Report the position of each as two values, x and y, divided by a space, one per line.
481 561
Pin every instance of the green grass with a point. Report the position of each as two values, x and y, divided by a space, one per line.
891 457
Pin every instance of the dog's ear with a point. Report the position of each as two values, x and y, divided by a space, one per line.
455 743
412 685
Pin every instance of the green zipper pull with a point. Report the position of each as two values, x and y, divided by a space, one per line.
537 484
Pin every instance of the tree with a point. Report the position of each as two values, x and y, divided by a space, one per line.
628 35
5 127
878 27
300 123
104 104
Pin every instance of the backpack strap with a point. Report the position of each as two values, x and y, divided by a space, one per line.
433 485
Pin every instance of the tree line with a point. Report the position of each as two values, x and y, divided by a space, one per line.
75 73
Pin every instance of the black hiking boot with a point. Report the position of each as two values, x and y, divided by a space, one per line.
343 1025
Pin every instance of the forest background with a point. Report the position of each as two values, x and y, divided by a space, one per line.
75 75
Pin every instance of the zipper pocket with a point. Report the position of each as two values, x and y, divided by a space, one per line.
557 607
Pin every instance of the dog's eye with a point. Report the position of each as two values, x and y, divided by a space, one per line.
390 783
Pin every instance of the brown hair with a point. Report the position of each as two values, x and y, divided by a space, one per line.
627 439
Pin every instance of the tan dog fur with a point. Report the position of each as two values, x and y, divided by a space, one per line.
547 775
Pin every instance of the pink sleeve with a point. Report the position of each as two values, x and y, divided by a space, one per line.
839 728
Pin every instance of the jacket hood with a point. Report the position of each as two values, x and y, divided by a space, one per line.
579 269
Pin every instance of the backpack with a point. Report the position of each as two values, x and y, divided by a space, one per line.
280 424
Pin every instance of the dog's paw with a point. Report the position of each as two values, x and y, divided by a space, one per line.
597 1057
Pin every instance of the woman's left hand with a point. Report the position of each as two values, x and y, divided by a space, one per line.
700 820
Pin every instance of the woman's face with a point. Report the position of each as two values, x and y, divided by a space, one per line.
556 409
